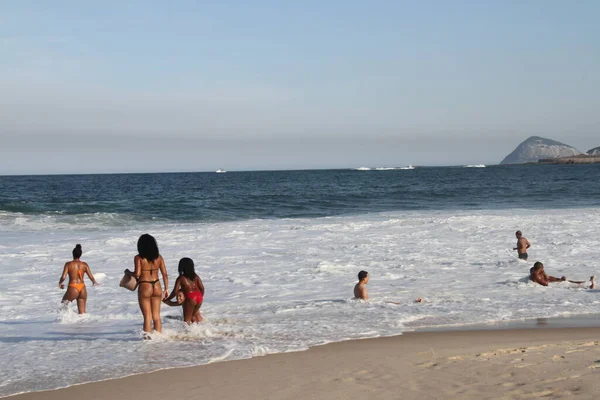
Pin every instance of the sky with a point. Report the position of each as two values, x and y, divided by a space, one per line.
155 86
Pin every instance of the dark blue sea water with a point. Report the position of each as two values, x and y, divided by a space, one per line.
194 197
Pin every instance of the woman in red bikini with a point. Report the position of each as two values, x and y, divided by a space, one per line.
76 289
192 288
147 264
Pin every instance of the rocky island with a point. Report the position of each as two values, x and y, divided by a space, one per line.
539 150
594 152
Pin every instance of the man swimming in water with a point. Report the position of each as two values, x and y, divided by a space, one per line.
538 275
360 289
522 245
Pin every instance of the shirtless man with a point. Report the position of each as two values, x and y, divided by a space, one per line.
76 289
538 275
360 289
522 245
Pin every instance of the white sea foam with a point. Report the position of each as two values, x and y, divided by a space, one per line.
383 168
279 285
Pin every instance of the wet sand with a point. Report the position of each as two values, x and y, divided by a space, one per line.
545 359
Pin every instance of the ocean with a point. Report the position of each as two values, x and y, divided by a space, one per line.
278 252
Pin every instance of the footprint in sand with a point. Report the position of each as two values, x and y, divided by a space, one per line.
503 352
543 393
524 365
596 365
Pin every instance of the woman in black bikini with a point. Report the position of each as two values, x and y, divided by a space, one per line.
150 294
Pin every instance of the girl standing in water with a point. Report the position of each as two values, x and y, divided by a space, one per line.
147 263
76 289
190 285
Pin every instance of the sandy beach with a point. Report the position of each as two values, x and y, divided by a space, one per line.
526 363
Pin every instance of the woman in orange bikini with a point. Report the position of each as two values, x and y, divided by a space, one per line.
76 289
190 286
150 294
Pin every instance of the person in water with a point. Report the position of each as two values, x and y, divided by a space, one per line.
189 291
360 289
76 288
538 275
522 246
148 262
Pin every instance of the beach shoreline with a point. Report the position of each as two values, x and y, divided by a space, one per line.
278 285
570 321
515 359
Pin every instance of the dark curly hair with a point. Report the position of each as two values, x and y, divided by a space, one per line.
147 247
186 268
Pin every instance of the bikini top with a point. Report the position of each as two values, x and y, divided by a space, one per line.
150 269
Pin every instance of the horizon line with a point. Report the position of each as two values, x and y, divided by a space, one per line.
416 166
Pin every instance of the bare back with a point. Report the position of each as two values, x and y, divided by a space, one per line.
188 285
148 270
148 278
360 291
75 270
522 245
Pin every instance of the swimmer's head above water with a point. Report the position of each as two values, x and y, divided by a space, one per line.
537 266
363 275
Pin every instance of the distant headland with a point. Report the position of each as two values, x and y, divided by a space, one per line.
539 150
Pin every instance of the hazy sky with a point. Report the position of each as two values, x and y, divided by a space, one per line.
127 86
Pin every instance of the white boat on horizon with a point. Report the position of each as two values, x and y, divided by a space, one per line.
220 171
410 166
